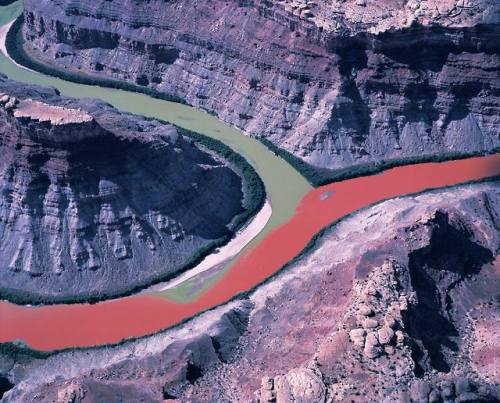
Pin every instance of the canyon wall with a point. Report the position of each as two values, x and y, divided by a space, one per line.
336 83
94 202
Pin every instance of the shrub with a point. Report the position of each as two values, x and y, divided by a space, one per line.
322 176
254 83
14 44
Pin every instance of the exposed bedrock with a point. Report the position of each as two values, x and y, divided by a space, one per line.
335 83
94 202
436 271
352 320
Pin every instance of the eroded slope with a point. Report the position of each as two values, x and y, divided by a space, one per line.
94 202
335 83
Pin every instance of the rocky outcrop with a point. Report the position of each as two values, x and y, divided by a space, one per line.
298 385
336 83
161 366
406 334
94 202
350 321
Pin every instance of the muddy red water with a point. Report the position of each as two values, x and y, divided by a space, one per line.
60 326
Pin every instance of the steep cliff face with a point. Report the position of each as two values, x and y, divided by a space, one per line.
335 83
94 202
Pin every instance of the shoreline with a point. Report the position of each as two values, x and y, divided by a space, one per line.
118 319
276 250
315 176
4 30
224 254
251 228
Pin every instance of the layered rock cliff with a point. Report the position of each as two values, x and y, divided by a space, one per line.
398 303
336 83
94 202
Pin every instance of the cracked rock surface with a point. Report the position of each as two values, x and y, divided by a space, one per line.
94 202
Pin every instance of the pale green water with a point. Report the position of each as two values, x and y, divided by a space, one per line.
285 187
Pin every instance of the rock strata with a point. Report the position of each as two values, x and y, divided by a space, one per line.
336 83
94 203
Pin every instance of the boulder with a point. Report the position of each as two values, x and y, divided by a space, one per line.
73 393
370 323
447 389
300 385
400 337
372 346
366 310
389 350
357 336
434 397
385 335
267 383
403 303
462 385
467 397
390 321
420 391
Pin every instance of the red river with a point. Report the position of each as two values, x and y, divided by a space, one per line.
60 326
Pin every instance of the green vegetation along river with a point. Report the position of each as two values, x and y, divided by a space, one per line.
299 213
285 187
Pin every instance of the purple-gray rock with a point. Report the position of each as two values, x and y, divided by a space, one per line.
335 83
94 202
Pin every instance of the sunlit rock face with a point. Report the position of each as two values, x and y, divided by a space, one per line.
94 202
336 83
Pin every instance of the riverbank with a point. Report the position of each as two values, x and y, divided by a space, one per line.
283 185
316 176
259 259
225 253
254 199
111 321
14 47
320 176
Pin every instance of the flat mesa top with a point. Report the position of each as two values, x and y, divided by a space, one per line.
56 115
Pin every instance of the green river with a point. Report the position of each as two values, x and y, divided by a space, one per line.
285 187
